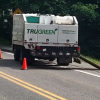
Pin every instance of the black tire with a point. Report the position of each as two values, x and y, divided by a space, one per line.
30 60
21 57
58 61
16 54
65 64
77 60
51 59
25 54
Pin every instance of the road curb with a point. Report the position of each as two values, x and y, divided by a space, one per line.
88 61
6 48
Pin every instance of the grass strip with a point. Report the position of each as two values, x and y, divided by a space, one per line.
4 42
93 60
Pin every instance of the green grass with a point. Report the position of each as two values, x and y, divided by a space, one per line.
4 42
94 60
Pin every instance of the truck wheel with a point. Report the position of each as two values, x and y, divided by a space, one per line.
77 60
30 60
25 54
64 63
21 57
58 61
16 55
51 59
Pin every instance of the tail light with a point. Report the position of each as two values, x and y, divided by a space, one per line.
29 46
32 45
38 47
78 48
25 41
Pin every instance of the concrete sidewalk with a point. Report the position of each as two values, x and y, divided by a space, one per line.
6 48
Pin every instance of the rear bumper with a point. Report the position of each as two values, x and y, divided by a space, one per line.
55 52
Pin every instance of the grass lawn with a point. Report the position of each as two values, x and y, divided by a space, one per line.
96 61
4 42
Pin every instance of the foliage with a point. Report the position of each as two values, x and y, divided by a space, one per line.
91 59
86 11
89 31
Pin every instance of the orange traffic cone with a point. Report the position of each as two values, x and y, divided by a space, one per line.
0 54
24 66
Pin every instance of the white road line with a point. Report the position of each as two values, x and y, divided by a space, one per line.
65 67
8 53
87 73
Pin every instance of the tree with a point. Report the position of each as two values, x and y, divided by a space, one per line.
86 11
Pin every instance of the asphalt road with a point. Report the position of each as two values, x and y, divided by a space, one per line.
44 80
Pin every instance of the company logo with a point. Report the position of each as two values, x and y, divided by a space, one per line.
40 31
68 32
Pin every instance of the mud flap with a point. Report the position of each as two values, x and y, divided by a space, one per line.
63 60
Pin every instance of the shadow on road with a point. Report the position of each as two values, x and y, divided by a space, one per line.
41 65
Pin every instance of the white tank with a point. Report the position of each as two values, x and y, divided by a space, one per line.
65 20
58 20
69 19
48 20
35 14
42 19
53 18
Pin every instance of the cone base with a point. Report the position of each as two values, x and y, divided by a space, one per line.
23 69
